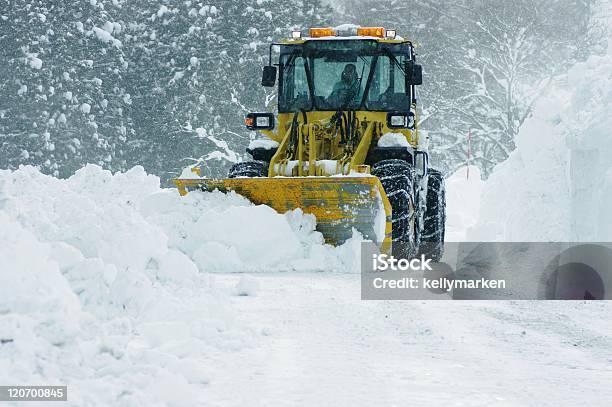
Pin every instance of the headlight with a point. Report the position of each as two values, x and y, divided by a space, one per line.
259 121
400 120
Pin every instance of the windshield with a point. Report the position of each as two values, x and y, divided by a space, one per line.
345 75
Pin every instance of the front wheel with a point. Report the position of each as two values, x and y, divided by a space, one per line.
398 179
249 169
432 238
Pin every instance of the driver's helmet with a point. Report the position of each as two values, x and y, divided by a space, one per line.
349 74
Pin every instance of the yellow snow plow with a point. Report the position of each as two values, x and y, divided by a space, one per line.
344 144
339 204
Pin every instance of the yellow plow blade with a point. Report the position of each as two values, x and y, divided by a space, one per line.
339 203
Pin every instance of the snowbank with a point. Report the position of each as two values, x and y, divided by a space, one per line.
557 184
104 277
463 192
527 198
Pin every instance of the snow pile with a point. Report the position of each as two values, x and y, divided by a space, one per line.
91 295
393 140
557 184
31 284
247 286
463 191
527 198
265 143
104 277
227 233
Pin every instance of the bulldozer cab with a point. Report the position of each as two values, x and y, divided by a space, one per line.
352 74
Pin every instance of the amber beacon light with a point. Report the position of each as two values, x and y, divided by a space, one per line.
322 32
371 32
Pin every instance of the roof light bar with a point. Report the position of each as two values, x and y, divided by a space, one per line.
391 34
371 32
322 32
296 35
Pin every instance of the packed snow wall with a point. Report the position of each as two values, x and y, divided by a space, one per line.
557 184
589 127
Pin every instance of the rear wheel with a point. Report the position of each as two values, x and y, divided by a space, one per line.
432 244
398 179
249 169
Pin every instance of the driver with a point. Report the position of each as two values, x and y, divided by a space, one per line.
346 90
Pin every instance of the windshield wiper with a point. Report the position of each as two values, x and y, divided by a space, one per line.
395 61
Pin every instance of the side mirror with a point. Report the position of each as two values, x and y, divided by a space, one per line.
414 73
400 120
268 78
259 121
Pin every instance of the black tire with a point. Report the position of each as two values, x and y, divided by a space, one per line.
249 169
432 238
398 179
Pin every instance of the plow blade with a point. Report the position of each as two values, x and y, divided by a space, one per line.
339 203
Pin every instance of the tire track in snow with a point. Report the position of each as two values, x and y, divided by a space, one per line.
324 346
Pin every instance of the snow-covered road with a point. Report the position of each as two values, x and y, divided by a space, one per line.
321 345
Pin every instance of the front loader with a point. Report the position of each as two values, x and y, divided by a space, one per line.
345 147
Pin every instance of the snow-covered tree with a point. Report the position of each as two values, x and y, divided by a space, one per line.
122 83
510 53
62 95
196 71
